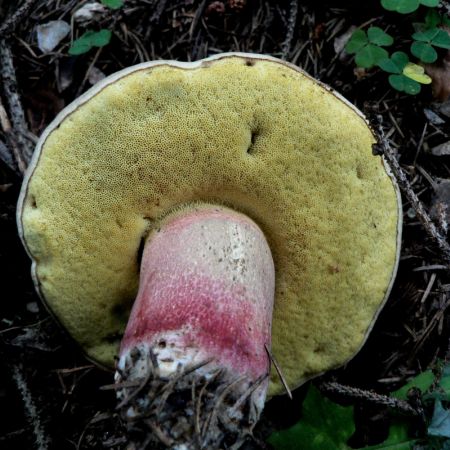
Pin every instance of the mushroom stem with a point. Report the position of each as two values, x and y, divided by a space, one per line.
193 367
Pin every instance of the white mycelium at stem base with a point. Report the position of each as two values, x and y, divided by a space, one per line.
196 337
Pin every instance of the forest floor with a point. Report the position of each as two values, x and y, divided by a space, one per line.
50 394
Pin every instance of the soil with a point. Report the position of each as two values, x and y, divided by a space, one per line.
50 394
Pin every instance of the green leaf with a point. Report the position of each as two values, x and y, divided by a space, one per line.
432 18
400 6
400 58
370 56
88 40
430 3
404 84
424 51
397 439
416 73
440 422
389 66
379 37
426 35
324 426
101 38
394 64
113 4
357 41
442 39
423 381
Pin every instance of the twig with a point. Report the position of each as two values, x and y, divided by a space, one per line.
445 5
166 440
196 18
210 419
384 148
42 440
170 385
252 388
292 20
428 288
198 404
278 369
7 158
10 153
19 125
159 9
368 396
10 24
141 386
16 136
442 217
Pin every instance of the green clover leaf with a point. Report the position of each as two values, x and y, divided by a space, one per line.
426 35
401 6
378 37
432 19
404 84
407 6
424 51
357 41
416 73
441 39
367 46
395 64
430 3
370 56
425 40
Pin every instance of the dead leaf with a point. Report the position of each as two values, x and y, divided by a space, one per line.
440 74
50 34
441 150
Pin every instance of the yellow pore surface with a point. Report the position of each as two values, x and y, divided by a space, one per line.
254 135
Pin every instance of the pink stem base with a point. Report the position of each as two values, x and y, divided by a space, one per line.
205 299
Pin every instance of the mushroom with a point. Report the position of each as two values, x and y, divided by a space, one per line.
225 184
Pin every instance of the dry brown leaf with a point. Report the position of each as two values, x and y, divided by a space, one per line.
440 74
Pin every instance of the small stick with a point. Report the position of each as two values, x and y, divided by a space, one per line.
384 148
10 24
196 18
371 397
141 386
42 440
7 158
10 154
199 403
278 369
19 125
292 20
212 416
166 440
252 388
170 385
159 9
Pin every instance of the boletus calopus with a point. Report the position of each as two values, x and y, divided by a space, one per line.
225 209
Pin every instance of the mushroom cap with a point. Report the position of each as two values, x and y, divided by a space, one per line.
246 131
